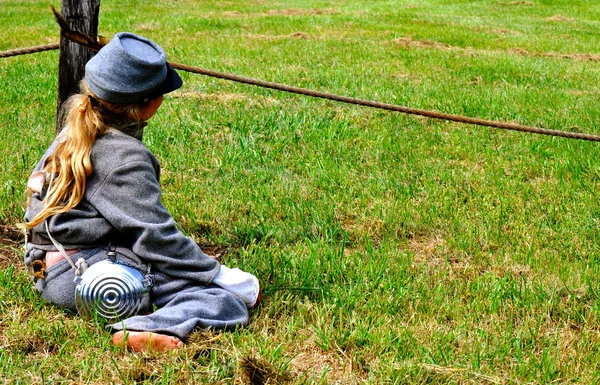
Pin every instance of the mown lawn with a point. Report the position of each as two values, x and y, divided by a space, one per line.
392 249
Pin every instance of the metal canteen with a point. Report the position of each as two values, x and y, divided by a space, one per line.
112 291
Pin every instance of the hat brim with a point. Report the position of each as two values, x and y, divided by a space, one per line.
172 82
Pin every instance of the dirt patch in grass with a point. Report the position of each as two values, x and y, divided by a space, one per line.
306 361
516 3
256 371
11 239
312 363
12 235
294 35
300 12
560 18
410 42
282 12
575 56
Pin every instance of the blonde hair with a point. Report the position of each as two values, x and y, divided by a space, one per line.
70 164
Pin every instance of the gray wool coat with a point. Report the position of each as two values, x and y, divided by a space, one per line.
122 205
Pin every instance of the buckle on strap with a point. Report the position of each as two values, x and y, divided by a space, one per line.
38 269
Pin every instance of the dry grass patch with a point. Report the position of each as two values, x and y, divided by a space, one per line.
410 42
149 26
11 235
575 56
428 249
358 228
9 255
583 92
560 18
294 35
515 270
232 14
257 371
300 12
281 12
433 251
516 3
11 241
312 362
304 359
461 375
226 97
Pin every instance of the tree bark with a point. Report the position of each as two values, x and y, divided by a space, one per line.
82 15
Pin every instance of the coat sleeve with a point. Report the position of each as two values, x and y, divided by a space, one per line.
129 197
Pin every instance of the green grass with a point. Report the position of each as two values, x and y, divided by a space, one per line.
392 249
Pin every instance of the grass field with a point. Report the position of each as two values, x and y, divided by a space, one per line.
392 249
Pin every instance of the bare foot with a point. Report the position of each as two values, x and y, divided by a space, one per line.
146 341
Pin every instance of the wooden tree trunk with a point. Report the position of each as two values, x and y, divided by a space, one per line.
82 15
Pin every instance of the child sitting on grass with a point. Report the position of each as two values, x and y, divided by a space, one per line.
98 184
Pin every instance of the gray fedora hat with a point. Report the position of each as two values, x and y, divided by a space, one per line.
130 69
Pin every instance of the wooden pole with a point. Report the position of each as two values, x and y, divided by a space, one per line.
82 15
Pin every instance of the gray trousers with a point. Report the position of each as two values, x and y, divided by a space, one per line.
182 305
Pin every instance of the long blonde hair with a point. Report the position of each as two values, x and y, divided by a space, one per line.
70 164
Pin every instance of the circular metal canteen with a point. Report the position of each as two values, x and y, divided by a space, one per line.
111 290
